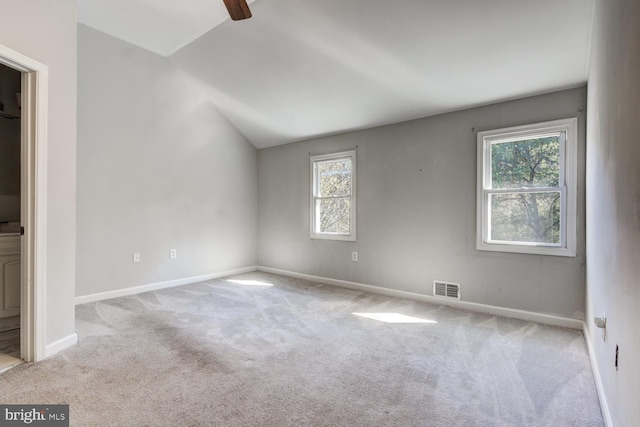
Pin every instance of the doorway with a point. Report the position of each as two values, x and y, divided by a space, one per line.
10 206
28 234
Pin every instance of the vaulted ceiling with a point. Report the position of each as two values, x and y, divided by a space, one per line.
305 68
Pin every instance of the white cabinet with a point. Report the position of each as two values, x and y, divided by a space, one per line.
10 270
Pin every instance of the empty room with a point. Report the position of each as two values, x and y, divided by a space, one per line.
319 213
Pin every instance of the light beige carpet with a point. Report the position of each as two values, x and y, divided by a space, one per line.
264 350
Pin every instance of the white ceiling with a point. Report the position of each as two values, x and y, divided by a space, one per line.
304 68
161 26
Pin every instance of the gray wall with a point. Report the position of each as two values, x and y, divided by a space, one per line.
45 30
417 211
613 202
158 168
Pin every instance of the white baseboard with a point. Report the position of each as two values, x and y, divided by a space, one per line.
61 344
530 316
604 406
160 285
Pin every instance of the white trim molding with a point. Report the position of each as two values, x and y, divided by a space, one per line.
61 344
134 290
315 209
566 131
602 397
529 316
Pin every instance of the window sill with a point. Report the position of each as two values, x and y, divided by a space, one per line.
531 250
338 237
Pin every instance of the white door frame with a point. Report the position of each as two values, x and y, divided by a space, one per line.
33 216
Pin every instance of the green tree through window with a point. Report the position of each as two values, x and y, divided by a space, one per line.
526 216
527 188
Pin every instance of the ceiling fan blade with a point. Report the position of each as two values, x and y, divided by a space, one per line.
238 9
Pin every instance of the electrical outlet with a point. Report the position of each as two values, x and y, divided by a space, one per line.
354 256
173 253
136 257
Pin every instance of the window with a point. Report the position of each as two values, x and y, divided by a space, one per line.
333 196
527 189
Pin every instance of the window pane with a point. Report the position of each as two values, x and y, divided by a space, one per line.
526 163
334 215
334 178
525 217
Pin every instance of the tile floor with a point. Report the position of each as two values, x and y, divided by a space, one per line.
9 349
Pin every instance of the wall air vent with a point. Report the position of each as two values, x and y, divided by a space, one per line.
446 289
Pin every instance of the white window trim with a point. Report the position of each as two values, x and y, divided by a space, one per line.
567 184
352 216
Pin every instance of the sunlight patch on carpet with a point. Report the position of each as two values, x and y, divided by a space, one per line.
394 318
249 282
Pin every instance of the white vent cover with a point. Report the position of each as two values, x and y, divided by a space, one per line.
446 289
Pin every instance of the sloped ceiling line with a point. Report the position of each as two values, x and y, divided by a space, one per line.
299 69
